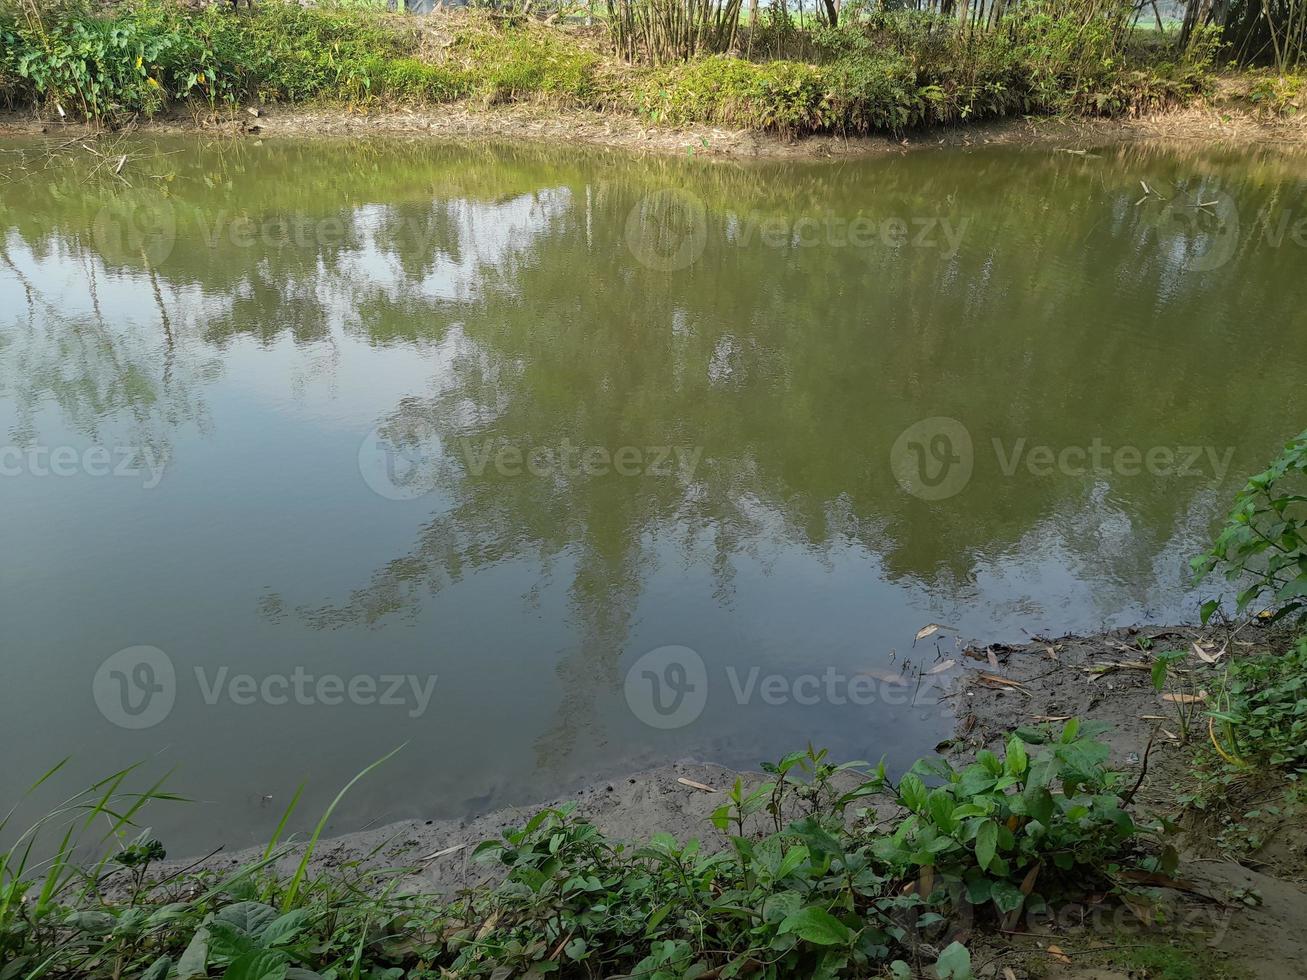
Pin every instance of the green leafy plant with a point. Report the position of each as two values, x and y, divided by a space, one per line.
1003 826
1263 710
1263 546
1177 687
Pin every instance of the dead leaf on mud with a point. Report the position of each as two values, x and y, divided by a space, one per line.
695 785
1155 880
1102 670
1185 698
1006 683
1208 658
940 668
1051 717
1055 952
1141 908
930 629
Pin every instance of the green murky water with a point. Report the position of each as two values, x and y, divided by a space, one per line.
301 427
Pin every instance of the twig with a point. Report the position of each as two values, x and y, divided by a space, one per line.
1128 797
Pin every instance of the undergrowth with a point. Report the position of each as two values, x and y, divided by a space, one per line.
1249 776
887 72
807 880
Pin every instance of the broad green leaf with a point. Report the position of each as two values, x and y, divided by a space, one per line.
194 960
259 964
986 843
954 963
815 925
248 917
1016 761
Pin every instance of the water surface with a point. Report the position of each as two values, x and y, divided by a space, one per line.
515 418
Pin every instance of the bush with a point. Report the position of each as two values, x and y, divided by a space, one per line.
877 71
782 95
1264 709
1263 545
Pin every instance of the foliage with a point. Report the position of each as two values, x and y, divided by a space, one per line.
1263 545
1176 684
1263 708
1001 826
1278 95
1246 780
879 71
821 895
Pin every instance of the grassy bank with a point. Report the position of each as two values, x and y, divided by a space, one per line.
809 883
875 71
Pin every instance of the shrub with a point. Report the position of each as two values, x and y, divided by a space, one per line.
1264 709
1263 545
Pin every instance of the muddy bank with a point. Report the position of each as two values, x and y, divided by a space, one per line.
1215 123
1244 919
677 799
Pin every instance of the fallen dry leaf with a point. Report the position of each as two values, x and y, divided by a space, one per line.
940 668
930 629
695 785
1162 881
1056 953
1185 698
993 660
996 679
1051 717
444 851
1208 658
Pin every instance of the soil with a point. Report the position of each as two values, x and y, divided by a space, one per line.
1224 120
677 799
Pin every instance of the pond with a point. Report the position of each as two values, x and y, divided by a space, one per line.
552 464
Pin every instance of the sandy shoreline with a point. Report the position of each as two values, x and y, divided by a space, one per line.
1210 125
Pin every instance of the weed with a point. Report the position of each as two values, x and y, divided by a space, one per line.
823 895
